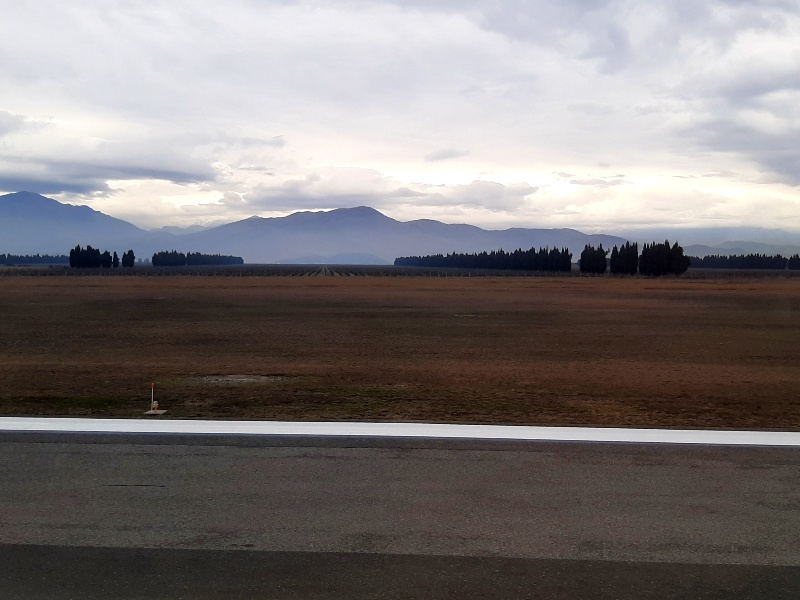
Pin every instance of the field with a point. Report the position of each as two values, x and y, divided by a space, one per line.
706 352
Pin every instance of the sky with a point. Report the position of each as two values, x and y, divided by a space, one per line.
591 114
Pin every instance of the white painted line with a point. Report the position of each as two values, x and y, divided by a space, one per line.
402 430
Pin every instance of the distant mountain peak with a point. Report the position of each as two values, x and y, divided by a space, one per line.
31 223
360 213
357 214
22 194
32 205
358 210
32 200
25 197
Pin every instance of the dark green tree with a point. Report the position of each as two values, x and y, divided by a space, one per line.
663 259
593 260
629 258
737 261
86 258
615 263
115 261
173 258
678 263
35 259
128 258
197 258
543 259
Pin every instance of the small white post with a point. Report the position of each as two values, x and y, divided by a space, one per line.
154 410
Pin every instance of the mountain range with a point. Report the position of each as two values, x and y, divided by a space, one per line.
31 223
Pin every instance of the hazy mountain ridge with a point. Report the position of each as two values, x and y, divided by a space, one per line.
366 231
31 223
706 241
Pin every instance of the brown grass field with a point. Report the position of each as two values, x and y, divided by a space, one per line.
720 353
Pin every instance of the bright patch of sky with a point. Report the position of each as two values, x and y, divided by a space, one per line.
589 114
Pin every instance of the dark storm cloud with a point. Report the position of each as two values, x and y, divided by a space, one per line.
55 176
101 171
47 184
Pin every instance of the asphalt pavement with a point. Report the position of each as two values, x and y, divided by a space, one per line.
112 515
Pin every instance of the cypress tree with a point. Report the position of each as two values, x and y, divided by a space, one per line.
128 258
678 263
615 263
662 259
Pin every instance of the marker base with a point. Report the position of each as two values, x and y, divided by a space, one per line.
155 412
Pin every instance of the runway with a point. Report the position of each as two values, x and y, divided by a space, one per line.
97 513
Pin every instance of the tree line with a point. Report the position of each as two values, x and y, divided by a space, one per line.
173 258
33 259
663 259
543 259
624 261
93 258
747 261
89 257
593 260
654 261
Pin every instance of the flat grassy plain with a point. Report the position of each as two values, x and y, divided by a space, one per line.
708 352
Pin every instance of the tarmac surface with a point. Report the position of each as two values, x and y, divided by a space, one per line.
114 515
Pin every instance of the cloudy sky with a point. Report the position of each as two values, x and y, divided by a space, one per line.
590 114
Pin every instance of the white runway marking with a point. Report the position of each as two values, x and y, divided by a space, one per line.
405 430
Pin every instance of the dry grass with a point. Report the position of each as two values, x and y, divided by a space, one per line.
603 351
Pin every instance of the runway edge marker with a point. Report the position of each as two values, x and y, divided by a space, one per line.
154 410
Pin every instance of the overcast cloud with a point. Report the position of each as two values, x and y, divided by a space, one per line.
570 113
